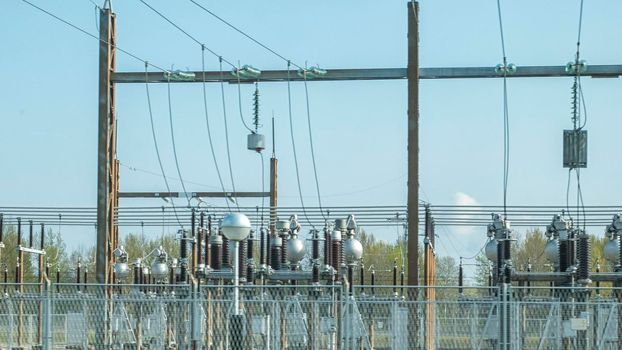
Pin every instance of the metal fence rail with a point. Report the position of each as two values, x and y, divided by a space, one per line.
68 316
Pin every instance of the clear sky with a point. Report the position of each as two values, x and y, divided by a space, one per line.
48 137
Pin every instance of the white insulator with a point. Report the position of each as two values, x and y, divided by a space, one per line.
335 236
282 225
121 270
611 250
159 270
491 250
352 250
551 251
295 250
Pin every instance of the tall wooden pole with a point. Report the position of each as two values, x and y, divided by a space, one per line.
413 143
412 72
429 280
106 153
107 165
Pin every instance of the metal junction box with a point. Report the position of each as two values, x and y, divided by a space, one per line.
575 149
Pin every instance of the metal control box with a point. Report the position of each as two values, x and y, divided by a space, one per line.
575 149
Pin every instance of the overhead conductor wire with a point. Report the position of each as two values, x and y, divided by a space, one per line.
291 132
155 143
506 126
244 34
221 59
170 117
93 36
289 63
224 113
209 131
578 102
317 183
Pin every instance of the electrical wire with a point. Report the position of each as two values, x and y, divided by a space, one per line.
149 172
244 34
170 118
240 106
187 34
224 113
506 124
209 131
155 143
317 183
291 132
93 36
263 186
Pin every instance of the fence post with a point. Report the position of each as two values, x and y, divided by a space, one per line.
47 316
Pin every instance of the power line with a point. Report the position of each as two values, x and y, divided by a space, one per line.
155 142
149 172
93 36
317 183
170 117
245 34
209 132
240 106
506 123
224 113
187 34
291 132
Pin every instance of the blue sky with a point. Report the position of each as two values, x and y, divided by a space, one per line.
49 120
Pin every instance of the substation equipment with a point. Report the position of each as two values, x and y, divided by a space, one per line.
579 316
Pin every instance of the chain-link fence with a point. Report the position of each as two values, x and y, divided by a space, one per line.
69 316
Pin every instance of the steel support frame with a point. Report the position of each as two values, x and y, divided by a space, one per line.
430 73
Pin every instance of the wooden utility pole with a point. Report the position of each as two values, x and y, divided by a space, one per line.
429 280
412 73
107 164
413 143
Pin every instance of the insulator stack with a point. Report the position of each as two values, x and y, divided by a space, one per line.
197 248
395 277
362 274
563 256
350 278
183 256
42 238
30 234
460 278
78 275
275 253
242 251
283 250
226 259
584 254
262 246
315 256
19 231
208 241
136 274
336 254
620 261
327 248
268 249
1 227
216 252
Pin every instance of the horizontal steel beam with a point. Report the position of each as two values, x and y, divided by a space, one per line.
193 194
596 71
